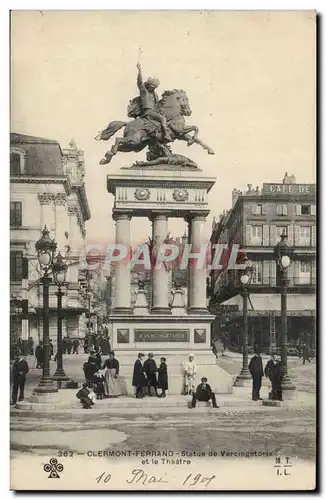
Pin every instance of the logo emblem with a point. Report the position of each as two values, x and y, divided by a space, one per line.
53 468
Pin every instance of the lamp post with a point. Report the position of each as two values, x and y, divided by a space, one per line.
283 255
245 279
45 248
59 273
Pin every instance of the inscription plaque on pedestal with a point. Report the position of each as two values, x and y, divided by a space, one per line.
161 335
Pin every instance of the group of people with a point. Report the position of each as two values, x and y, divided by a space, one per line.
102 380
274 371
102 377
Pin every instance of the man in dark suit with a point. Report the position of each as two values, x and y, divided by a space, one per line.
39 355
257 372
275 372
19 371
203 393
150 369
138 377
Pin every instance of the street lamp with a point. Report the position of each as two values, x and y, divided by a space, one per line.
245 279
45 248
59 273
283 255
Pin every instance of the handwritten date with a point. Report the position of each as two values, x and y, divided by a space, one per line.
139 476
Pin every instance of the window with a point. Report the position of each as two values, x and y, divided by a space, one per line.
256 235
258 209
303 209
257 273
15 213
305 266
304 272
304 235
17 162
282 209
16 266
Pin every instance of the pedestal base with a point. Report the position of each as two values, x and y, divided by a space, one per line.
45 386
243 379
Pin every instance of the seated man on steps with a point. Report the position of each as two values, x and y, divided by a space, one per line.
203 393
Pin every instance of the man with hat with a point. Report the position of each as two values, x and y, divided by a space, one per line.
257 372
150 369
275 372
149 101
139 377
163 377
203 393
19 372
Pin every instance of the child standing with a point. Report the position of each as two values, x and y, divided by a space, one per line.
163 377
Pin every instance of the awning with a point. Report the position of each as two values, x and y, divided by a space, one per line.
296 304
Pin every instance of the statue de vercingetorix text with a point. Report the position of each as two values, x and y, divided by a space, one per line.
157 122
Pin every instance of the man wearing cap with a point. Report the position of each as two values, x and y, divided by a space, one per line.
149 101
139 377
190 375
203 393
150 369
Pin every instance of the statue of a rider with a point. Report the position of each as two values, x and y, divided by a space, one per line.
149 100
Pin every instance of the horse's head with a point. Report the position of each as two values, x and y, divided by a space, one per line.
176 100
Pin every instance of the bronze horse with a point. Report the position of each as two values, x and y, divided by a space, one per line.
142 132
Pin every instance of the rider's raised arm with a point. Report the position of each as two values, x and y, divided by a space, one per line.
140 81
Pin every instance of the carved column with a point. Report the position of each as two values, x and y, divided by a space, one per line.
47 211
196 277
122 268
61 221
160 297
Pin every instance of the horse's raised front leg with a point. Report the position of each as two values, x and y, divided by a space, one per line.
189 140
109 154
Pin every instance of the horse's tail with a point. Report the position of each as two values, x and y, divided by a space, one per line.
110 130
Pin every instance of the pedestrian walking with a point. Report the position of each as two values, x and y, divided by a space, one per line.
257 372
305 354
139 380
19 372
50 349
150 368
190 369
75 345
163 377
69 345
203 393
30 346
39 355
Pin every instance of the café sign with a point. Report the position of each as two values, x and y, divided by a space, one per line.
289 188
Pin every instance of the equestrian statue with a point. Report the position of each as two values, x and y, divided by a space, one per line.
157 122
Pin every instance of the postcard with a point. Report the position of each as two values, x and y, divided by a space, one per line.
163 250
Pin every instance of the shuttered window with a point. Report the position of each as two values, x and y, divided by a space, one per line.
16 266
15 213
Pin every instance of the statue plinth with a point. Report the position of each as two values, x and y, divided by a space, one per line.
174 332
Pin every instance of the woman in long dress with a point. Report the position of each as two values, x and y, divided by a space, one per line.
111 367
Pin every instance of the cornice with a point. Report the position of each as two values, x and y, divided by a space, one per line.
27 179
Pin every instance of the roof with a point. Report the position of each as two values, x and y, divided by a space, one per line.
23 139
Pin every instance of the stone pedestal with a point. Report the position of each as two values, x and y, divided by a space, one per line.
159 192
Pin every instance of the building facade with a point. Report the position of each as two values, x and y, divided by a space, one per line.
255 222
46 188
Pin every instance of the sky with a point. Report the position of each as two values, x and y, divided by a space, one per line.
249 77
